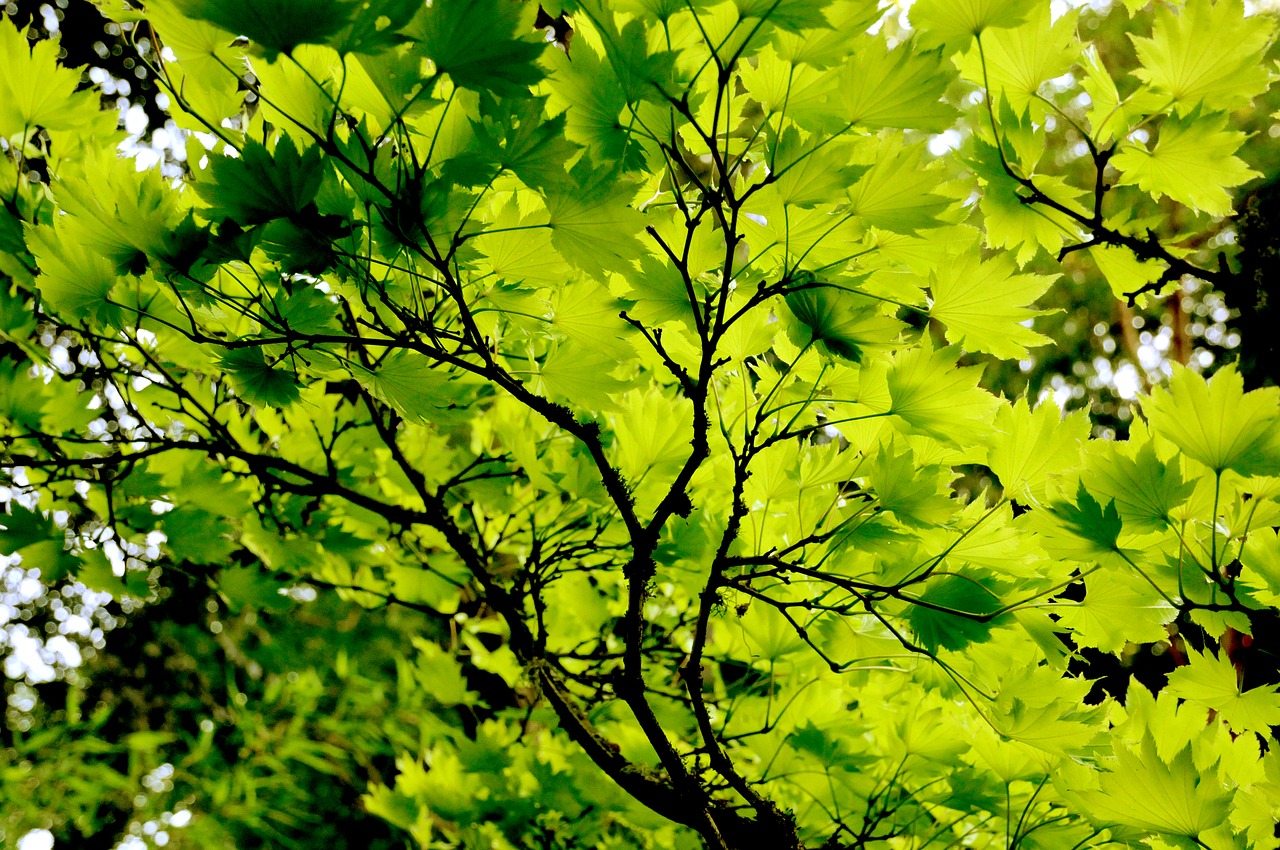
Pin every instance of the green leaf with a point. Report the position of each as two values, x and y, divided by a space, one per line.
1212 681
73 279
258 382
51 559
1215 422
981 303
1033 447
1124 271
810 171
1146 792
594 101
1038 706
792 15
581 375
377 25
1021 59
258 186
1206 53
900 88
440 675
952 24
276 26
1117 609
897 192
839 320
22 527
519 137
475 42
35 91
1193 162
593 225
1145 489
1089 521
916 494
932 396
406 381
97 573
1008 219
947 626
116 211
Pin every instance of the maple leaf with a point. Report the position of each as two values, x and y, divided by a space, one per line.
952 24
1205 54
1021 59
34 91
1193 162
933 397
879 87
1212 681
73 278
840 320
476 44
1215 422
1146 792
258 186
981 303
258 381
275 26
1031 447
1088 520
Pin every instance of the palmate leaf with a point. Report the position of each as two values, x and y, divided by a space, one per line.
1008 220
593 101
1145 489
1032 447
952 24
900 88
120 213
1208 52
1040 707
592 225
486 45
1193 162
35 91
258 186
810 171
840 321
640 73
1089 521
915 494
930 395
405 381
1123 270
1215 422
1212 681
1143 791
276 26
897 192
73 279
1021 59
983 307
942 622
827 46
259 382
376 26
22 527
583 376
1117 609
791 15
517 136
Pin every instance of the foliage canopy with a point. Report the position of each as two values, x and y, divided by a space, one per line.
615 360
